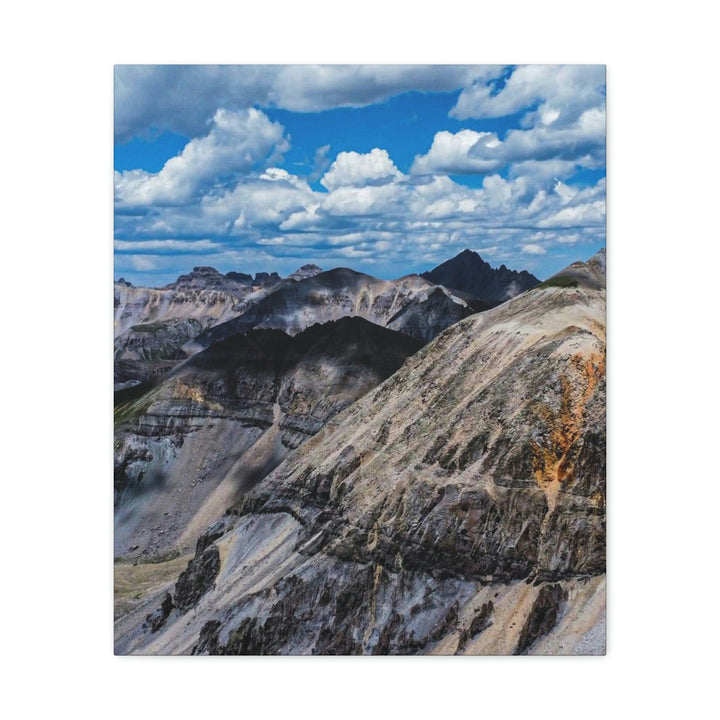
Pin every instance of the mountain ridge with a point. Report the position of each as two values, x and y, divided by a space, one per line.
328 295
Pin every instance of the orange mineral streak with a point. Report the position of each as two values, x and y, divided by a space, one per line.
554 460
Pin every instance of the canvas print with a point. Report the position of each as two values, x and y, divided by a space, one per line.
359 360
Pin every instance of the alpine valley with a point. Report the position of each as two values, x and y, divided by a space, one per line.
332 463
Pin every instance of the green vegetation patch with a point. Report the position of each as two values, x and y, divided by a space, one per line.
134 581
132 402
564 281
150 327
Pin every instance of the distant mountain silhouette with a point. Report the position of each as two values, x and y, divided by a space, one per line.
469 273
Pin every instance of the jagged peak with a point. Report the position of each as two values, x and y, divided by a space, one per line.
305 271
469 273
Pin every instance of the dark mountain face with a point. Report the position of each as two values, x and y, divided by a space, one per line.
240 277
186 445
426 319
153 324
469 273
358 346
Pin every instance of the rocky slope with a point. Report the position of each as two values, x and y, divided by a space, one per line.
219 422
426 316
149 350
469 273
580 274
153 326
342 292
178 301
458 508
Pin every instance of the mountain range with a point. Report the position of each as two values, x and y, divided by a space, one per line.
155 328
336 464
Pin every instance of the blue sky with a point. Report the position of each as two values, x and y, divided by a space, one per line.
386 169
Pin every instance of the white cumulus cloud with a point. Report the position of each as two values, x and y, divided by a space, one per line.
452 153
352 169
580 143
561 92
236 143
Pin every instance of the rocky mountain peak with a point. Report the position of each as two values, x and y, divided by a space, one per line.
240 277
264 278
469 273
306 271
204 277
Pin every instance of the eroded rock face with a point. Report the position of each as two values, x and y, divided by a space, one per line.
481 621
543 616
186 448
149 350
154 621
145 306
154 327
425 319
350 611
197 579
459 507
276 596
